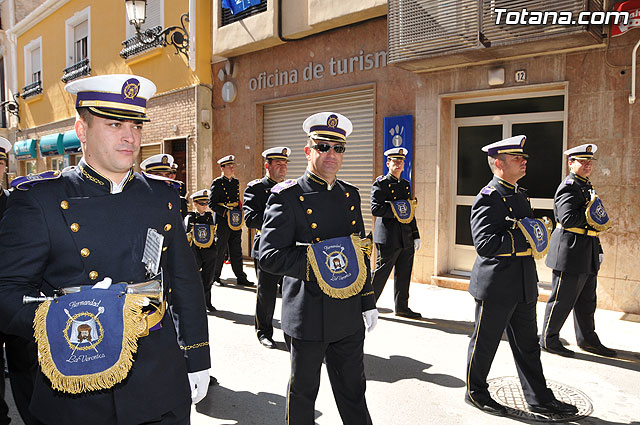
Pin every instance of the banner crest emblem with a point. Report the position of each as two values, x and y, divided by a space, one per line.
86 340
537 232
339 266
404 209
202 235
597 216
235 219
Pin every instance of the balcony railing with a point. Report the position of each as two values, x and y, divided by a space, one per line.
422 29
133 46
76 70
31 89
229 18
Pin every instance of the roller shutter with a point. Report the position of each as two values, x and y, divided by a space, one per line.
283 127
150 150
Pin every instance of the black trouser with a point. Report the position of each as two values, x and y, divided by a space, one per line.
22 365
402 259
571 291
206 261
266 301
344 360
231 240
519 319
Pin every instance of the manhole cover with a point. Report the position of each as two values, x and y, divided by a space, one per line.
507 391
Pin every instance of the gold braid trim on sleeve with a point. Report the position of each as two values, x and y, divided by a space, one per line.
194 346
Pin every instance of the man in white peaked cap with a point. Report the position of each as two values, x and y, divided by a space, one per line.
575 255
89 226
323 320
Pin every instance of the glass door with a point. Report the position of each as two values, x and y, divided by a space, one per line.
477 124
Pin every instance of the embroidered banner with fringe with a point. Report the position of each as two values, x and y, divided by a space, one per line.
86 340
202 235
404 209
597 216
537 232
235 219
339 266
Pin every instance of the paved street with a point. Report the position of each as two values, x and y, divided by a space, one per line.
415 369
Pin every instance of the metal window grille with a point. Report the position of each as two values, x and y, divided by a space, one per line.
33 88
229 18
76 70
133 46
423 28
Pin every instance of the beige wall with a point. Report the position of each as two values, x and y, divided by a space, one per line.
238 125
597 112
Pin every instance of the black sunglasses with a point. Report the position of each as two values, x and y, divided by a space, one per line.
325 147
202 203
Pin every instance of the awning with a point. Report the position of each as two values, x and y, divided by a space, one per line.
51 145
25 149
70 142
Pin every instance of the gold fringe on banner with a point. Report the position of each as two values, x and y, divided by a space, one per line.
349 291
412 203
212 231
134 323
548 227
232 227
590 221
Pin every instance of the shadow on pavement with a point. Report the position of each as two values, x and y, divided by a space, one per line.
397 368
626 359
241 319
449 326
244 407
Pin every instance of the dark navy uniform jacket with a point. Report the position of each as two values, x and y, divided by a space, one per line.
184 206
570 252
4 196
255 200
511 277
388 230
71 231
223 191
305 211
194 217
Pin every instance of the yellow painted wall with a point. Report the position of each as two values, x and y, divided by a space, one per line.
107 22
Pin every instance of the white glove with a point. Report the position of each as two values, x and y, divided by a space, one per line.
601 258
103 284
370 319
199 382
416 244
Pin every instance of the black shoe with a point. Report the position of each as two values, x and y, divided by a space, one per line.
489 406
554 407
409 314
559 350
267 342
599 349
211 309
218 282
212 381
244 282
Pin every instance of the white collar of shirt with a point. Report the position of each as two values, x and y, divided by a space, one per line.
117 188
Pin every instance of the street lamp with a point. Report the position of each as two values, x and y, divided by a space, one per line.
12 106
177 36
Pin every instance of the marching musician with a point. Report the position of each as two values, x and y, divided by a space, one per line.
575 255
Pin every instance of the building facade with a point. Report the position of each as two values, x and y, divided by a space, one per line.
62 40
461 86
